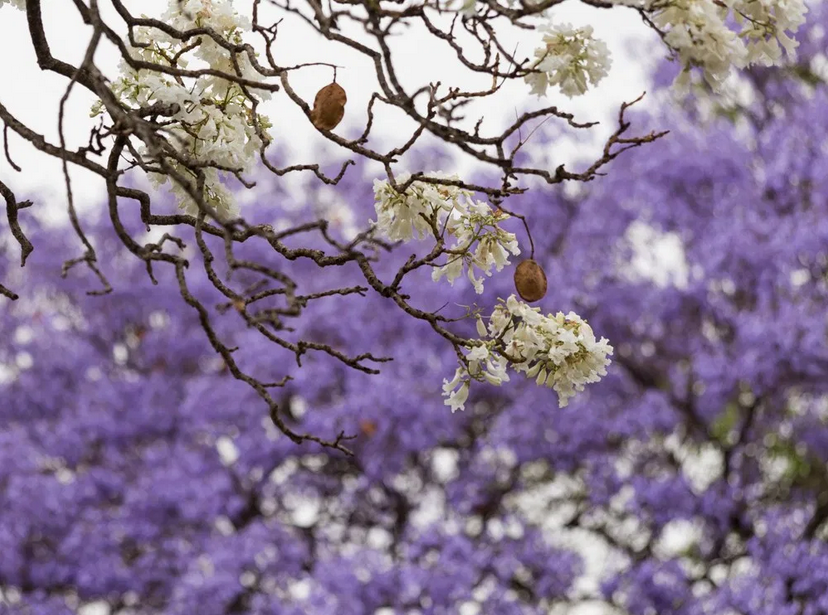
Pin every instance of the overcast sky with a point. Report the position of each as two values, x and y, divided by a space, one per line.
33 96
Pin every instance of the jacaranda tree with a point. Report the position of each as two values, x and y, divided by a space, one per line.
137 473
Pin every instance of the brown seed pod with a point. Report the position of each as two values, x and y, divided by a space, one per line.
329 107
530 280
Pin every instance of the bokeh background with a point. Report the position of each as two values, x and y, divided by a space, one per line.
137 476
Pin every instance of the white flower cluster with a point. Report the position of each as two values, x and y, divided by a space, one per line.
215 124
713 35
569 57
700 33
18 4
559 351
476 225
767 25
428 209
414 213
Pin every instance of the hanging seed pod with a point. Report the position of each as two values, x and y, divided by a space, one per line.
329 107
530 280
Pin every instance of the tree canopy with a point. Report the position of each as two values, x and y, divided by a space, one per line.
137 472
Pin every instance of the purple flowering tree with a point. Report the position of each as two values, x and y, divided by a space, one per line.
138 475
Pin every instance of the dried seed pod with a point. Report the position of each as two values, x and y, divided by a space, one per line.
530 280
329 107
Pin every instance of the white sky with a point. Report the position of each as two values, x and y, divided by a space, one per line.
33 96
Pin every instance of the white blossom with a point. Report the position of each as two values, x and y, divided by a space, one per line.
483 365
478 243
216 14
220 16
765 26
712 35
471 228
569 58
700 33
402 217
214 123
456 397
558 351
18 4
696 31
